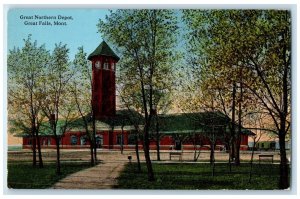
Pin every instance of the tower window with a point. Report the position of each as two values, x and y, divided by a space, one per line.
105 66
98 64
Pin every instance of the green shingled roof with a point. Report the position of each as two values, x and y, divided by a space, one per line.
103 49
201 122
122 118
185 123
190 122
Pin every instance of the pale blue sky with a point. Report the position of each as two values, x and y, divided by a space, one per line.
81 31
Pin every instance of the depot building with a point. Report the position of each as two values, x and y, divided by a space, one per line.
117 129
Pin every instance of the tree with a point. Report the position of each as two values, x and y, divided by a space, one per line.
82 93
258 42
57 104
214 72
146 41
26 70
162 101
272 68
256 119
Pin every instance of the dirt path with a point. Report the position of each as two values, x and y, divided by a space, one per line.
102 176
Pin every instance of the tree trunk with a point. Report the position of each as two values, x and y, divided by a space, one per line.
212 153
92 153
147 154
41 165
94 142
237 150
137 152
284 179
232 149
157 140
251 162
58 172
196 153
157 147
233 120
122 139
33 146
238 134
229 155
212 158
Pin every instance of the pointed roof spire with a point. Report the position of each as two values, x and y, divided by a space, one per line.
103 49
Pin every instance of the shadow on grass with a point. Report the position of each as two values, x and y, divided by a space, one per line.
199 176
24 176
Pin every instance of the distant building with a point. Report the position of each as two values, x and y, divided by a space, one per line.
116 128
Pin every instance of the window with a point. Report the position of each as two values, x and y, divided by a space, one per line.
99 141
73 140
105 66
98 64
131 139
83 140
272 145
120 139
114 66
49 141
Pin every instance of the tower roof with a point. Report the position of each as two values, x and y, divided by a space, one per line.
103 49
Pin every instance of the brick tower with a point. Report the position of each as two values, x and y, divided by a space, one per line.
103 81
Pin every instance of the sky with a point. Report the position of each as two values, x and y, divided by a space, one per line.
81 31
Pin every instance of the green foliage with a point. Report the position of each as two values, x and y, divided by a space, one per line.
251 47
146 41
26 71
81 91
81 83
252 50
56 88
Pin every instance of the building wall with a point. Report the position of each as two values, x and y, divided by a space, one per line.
112 140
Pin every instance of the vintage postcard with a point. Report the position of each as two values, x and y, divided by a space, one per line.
149 99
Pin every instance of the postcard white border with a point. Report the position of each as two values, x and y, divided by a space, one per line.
254 4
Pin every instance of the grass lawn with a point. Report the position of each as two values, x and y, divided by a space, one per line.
24 176
199 176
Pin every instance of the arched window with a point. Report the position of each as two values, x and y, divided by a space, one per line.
106 65
99 141
83 140
98 64
120 139
73 140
